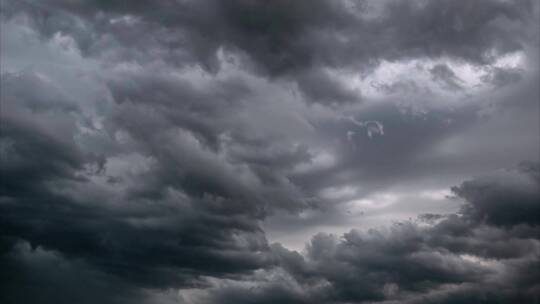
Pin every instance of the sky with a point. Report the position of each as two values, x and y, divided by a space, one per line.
269 151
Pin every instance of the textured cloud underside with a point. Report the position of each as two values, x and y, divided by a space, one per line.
269 151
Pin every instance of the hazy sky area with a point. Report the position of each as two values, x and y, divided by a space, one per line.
269 151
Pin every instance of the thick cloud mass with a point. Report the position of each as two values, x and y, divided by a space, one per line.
506 199
269 151
457 258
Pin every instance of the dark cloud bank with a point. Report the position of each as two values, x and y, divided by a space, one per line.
149 148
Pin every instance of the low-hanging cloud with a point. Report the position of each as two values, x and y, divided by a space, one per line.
171 151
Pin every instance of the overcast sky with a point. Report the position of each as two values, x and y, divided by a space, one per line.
246 151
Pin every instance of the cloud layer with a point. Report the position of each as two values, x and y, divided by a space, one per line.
269 151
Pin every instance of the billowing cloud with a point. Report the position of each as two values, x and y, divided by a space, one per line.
436 259
267 151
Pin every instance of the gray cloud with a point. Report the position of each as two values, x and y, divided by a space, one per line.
509 198
454 259
444 75
282 39
149 150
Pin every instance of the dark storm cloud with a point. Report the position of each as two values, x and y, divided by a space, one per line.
510 198
247 176
189 213
26 129
414 263
279 38
144 144
44 274
180 102
47 200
